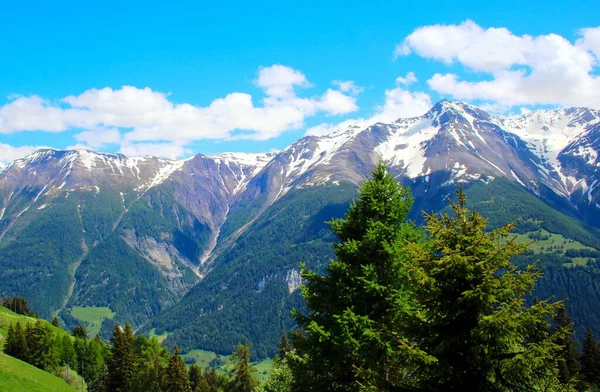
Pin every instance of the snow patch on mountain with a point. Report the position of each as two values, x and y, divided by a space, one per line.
406 145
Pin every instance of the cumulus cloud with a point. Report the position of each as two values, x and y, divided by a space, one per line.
99 137
408 79
9 153
590 40
398 103
141 118
334 102
522 70
279 80
401 103
171 150
348 86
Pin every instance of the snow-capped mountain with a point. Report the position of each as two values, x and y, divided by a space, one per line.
81 228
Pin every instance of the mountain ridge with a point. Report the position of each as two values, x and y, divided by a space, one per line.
141 234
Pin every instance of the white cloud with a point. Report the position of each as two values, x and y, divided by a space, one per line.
144 115
399 103
521 70
279 80
334 102
348 86
9 153
408 79
590 40
167 150
99 137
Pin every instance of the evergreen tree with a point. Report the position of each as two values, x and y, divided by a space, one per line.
213 380
79 331
121 359
355 310
18 305
473 322
22 350
242 380
569 365
68 356
177 378
10 344
198 382
284 347
56 322
151 365
281 378
590 359
42 349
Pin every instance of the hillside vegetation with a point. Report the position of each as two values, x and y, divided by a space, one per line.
16 375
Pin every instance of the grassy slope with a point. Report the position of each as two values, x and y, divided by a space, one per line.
203 358
93 316
7 317
16 375
540 247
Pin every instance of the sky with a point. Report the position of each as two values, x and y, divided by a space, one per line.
178 78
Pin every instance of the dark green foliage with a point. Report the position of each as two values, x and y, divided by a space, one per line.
79 331
198 382
215 381
474 331
16 342
568 367
580 286
503 201
42 352
246 297
355 307
284 347
590 359
151 365
35 259
177 378
18 305
56 322
121 360
114 274
68 356
241 377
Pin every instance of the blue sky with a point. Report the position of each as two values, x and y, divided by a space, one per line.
257 76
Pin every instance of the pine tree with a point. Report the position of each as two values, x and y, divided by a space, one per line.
177 378
242 380
198 381
67 352
569 364
284 347
42 349
213 380
121 359
56 322
79 331
590 359
353 327
151 365
473 320
10 344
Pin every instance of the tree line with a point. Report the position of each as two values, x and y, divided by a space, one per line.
126 363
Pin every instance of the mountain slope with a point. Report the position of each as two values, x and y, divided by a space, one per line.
16 375
174 241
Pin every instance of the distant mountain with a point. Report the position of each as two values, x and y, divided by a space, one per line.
208 248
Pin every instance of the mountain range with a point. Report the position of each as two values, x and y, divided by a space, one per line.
207 249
